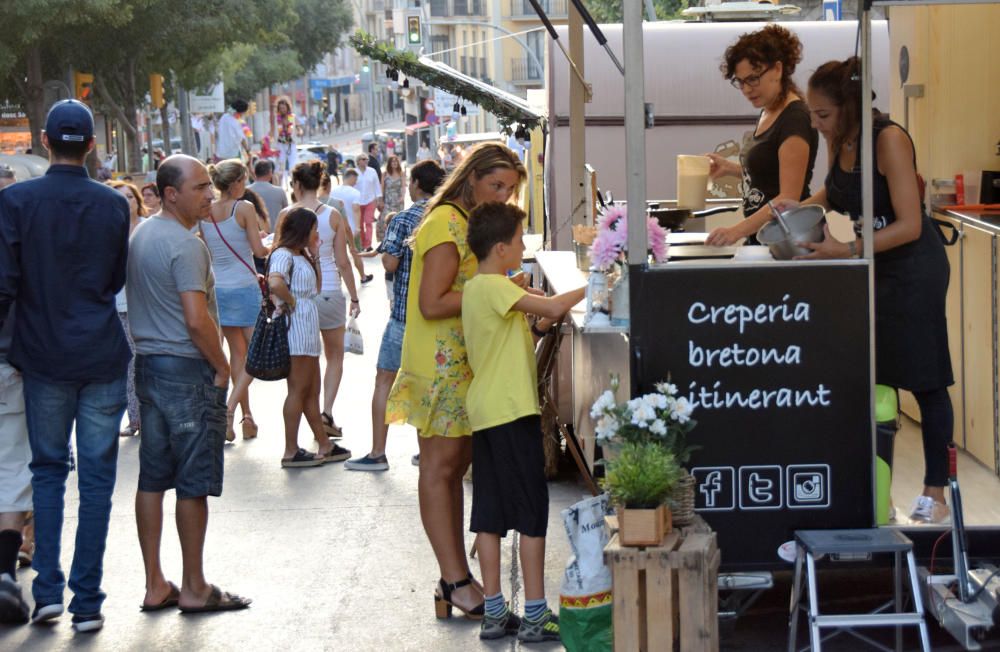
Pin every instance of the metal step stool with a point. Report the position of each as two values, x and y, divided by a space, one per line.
854 545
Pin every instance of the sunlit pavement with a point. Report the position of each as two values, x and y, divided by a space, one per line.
333 559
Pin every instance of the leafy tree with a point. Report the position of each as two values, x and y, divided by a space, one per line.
30 45
319 29
610 11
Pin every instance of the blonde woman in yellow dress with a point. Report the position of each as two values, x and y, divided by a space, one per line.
434 375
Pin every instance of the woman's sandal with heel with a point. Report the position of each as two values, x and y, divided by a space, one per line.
249 427
443 604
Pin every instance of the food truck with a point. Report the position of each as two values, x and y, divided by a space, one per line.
788 444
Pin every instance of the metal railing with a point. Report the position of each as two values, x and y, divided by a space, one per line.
522 9
458 8
525 70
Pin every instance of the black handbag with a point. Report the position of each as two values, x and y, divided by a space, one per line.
267 356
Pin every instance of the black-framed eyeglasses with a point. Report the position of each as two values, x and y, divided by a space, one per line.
753 81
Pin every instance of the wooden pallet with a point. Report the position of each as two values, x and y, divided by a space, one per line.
666 595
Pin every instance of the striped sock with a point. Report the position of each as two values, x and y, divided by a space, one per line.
535 609
495 605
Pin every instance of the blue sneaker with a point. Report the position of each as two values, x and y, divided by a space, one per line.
368 463
84 623
45 613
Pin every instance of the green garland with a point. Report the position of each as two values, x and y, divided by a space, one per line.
406 62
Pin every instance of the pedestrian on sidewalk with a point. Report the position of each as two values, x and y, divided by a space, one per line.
137 214
509 489
284 124
15 481
351 198
230 141
63 250
232 235
275 198
434 375
335 269
181 379
393 187
295 278
397 256
369 184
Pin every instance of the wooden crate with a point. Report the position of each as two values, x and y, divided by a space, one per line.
666 595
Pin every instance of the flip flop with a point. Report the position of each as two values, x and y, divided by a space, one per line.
170 601
219 600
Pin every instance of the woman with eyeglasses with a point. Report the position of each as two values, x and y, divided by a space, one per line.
777 157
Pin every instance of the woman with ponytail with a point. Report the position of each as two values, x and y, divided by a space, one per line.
911 268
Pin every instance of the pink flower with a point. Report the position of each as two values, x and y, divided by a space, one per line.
612 238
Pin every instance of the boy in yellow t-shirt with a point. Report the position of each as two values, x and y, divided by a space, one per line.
509 490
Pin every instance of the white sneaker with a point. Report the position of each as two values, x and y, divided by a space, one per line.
926 510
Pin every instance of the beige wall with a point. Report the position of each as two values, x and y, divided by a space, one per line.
955 53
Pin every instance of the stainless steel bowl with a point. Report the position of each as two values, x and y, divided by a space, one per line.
805 224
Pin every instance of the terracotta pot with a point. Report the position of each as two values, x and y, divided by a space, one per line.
643 527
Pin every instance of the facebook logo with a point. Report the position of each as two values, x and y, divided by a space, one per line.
715 488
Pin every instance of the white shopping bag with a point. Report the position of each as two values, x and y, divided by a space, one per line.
353 342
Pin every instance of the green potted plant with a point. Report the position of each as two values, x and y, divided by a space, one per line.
639 480
663 418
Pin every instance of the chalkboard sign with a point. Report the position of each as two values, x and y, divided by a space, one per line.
775 360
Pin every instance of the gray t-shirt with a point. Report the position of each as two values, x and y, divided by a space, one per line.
274 198
164 260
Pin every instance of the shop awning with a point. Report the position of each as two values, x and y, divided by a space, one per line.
509 109
417 126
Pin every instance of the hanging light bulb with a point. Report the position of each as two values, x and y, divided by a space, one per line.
395 75
406 82
388 73
454 109
464 112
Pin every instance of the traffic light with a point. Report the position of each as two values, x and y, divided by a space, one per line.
413 33
84 86
156 90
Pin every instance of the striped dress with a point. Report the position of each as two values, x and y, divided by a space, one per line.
303 334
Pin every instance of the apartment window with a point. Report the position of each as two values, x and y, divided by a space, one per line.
536 44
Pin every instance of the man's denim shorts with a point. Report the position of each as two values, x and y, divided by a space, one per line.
391 350
183 426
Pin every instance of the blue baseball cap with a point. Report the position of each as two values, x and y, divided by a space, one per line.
70 121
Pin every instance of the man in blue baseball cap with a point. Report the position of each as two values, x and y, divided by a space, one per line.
63 249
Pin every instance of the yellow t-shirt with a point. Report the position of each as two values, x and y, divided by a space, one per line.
501 353
434 375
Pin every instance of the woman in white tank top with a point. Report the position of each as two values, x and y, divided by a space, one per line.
232 237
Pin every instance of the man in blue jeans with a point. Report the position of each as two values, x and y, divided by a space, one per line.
181 376
63 249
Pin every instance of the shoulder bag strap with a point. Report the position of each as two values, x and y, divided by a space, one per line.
260 281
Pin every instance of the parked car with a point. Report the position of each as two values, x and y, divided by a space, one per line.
25 166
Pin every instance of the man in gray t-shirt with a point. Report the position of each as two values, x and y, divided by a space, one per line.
167 260
274 197
181 377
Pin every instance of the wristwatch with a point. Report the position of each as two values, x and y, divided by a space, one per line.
537 331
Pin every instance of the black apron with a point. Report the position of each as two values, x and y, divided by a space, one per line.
911 282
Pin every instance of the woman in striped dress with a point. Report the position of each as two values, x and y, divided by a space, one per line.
295 282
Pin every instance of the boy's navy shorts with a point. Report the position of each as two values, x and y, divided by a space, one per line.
509 490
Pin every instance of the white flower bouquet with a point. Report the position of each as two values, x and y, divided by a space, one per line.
660 417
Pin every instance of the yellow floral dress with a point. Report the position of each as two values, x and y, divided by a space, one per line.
434 374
